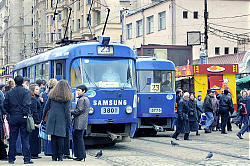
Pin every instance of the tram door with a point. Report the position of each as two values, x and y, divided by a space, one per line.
58 71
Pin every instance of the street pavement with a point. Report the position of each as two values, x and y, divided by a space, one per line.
148 151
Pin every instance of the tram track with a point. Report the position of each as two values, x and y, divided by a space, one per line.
115 163
144 153
224 143
194 148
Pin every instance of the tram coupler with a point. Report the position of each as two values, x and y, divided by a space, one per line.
158 128
113 136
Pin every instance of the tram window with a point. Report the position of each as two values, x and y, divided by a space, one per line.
46 71
76 74
28 72
25 72
43 71
103 73
32 74
58 69
156 81
38 71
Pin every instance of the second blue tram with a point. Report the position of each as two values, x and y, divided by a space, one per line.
156 95
108 70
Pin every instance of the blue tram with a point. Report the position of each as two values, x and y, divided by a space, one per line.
108 70
156 95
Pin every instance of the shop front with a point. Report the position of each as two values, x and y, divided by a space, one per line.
199 78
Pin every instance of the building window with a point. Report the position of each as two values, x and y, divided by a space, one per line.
217 50
98 17
162 21
51 3
51 37
195 15
79 4
129 31
79 24
226 50
59 15
150 24
185 14
59 34
73 25
52 19
32 21
139 29
235 50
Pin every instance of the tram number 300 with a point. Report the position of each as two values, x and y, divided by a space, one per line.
110 110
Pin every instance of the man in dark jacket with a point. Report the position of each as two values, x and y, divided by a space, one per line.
208 109
225 106
182 120
246 115
17 104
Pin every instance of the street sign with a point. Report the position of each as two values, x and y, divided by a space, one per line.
193 38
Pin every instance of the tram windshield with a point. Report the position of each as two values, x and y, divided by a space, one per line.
103 73
157 81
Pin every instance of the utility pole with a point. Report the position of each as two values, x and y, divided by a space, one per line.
205 33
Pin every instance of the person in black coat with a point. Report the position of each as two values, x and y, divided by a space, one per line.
192 116
17 103
208 109
182 120
35 108
3 153
225 106
58 119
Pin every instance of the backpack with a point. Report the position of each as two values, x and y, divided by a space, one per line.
243 109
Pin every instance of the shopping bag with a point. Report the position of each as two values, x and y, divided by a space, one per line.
30 124
6 129
42 131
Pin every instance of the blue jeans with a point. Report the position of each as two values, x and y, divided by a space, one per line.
209 121
245 127
17 124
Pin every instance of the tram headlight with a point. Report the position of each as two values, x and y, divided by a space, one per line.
91 110
129 109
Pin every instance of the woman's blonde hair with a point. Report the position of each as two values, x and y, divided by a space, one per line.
61 92
242 92
52 83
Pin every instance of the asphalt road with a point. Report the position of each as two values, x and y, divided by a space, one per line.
148 151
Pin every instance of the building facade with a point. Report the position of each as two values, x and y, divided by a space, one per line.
16 31
168 22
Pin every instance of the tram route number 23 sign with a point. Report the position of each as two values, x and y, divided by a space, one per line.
155 87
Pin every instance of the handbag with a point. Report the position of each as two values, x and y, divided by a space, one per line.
185 116
42 131
30 123
6 129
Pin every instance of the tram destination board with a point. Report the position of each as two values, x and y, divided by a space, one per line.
105 50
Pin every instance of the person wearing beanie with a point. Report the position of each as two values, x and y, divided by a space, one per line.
225 106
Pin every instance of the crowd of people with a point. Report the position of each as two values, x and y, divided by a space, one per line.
48 104
218 110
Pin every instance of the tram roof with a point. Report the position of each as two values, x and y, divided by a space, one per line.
154 64
76 50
